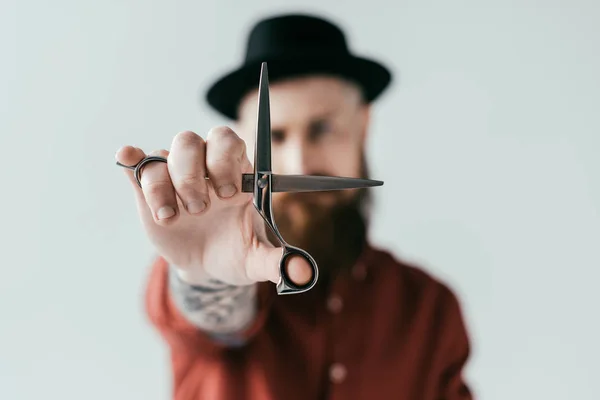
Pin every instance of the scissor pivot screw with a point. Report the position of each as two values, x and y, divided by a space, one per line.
263 182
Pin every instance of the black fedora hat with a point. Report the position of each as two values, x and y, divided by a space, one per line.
295 45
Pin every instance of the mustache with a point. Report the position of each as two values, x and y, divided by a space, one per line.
308 198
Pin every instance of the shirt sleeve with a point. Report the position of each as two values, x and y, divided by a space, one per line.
186 342
454 350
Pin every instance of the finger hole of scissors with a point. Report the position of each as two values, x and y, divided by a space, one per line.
298 269
142 164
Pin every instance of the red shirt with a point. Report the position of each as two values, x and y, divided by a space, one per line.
384 330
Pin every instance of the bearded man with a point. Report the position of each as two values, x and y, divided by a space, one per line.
373 327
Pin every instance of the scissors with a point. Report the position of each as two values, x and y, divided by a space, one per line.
263 182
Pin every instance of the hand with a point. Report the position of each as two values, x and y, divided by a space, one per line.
206 228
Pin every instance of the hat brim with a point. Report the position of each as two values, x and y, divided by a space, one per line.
226 93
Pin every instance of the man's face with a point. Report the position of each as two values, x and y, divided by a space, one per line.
318 127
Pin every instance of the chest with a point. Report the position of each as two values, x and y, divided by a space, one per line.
344 343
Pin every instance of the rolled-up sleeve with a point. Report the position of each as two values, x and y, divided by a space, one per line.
187 343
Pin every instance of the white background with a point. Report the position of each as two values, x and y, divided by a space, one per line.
487 143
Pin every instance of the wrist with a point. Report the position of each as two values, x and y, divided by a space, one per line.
197 277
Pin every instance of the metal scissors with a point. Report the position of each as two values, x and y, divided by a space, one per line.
263 182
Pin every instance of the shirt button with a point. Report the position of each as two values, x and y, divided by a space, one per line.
334 304
337 373
359 272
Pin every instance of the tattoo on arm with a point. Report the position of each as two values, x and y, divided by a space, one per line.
215 307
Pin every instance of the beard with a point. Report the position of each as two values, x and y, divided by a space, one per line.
330 226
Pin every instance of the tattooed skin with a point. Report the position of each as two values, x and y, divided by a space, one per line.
215 307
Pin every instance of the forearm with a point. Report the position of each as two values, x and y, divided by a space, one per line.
216 308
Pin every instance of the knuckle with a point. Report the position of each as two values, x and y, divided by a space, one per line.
220 131
188 138
160 153
225 136
157 189
221 161
189 181
227 148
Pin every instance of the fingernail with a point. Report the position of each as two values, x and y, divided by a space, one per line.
196 207
226 190
165 212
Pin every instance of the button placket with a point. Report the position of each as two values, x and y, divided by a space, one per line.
359 272
335 304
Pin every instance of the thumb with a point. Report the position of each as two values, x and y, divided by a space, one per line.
266 263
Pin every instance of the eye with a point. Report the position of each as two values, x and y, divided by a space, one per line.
319 128
277 136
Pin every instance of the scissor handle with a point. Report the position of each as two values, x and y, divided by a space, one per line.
285 284
137 168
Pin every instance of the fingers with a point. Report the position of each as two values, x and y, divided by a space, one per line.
222 158
158 190
130 156
225 160
157 196
187 168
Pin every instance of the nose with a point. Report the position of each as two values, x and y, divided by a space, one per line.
298 158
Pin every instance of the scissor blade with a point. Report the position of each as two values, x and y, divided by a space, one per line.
314 183
309 183
262 153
